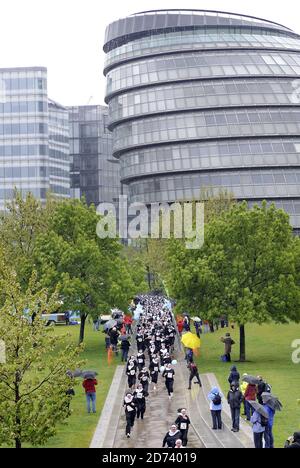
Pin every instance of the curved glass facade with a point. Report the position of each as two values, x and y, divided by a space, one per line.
203 99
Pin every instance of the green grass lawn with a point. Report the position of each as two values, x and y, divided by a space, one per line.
269 353
79 428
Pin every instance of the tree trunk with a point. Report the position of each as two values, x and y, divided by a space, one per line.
83 318
18 439
242 344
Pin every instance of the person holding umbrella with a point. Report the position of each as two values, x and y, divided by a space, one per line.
114 336
259 421
271 405
89 384
250 393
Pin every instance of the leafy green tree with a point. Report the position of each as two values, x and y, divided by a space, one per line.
248 269
20 225
33 379
89 272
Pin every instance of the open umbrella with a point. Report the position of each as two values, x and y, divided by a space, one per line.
272 401
191 341
259 408
250 379
196 319
110 324
75 373
89 374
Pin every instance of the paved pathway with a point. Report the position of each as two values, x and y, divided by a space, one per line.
161 413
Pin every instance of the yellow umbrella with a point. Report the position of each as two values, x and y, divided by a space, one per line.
191 341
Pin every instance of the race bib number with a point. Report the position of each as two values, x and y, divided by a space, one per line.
129 409
132 372
155 369
170 375
141 361
183 426
140 395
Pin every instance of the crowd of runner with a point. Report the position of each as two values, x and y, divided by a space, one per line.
154 359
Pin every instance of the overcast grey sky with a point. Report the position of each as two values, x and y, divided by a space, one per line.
66 36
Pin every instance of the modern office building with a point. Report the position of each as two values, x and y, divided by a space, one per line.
203 99
95 174
34 147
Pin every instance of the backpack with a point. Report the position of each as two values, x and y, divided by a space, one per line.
264 421
217 400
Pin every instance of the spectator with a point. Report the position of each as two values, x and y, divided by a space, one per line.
258 429
215 398
293 442
228 341
243 389
90 390
125 347
235 399
250 395
263 387
268 434
234 376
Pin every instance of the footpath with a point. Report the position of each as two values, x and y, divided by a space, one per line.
162 412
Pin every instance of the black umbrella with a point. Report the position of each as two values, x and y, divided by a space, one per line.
259 408
75 373
110 324
272 401
250 379
89 374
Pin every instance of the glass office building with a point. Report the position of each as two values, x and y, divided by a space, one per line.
34 153
95 174
203 99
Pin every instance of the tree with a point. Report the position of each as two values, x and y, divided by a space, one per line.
20 225
247 269
33 380
89 272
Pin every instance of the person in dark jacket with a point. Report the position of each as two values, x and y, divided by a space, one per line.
234 376
262 387
154 371
130 412
194 373
140 400
171 437
140 360
183 423
131 372
114 335
144 378
235 399
125 346
169 376
228 341
293 442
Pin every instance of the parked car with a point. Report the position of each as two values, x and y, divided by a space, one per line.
60 318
